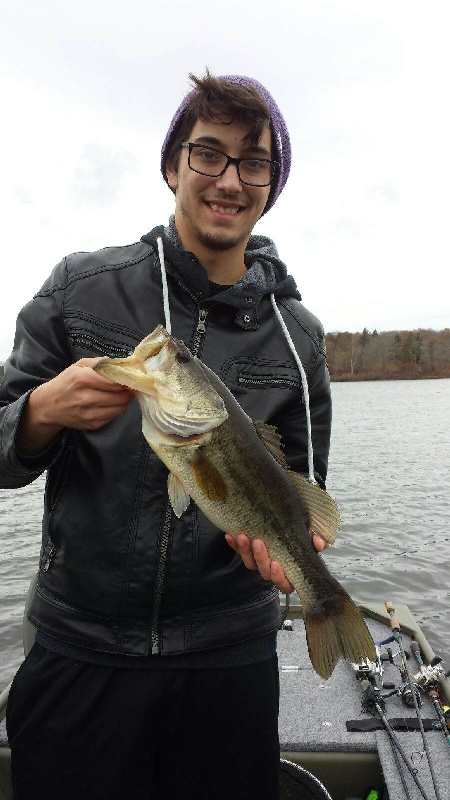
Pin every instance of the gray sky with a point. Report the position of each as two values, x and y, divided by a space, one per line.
88 90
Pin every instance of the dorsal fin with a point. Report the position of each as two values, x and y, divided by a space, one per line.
271 439
323 512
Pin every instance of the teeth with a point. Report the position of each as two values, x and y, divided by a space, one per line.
223 210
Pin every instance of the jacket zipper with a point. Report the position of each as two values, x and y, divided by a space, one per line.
50 558
160 577
268 382
162 560
98 345
200 332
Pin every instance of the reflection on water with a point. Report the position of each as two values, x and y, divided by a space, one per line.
389 472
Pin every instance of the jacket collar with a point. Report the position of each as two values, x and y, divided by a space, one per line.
266 273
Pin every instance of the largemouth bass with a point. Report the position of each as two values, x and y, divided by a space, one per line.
235 471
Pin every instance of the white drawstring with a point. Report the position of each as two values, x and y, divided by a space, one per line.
168 325
287 335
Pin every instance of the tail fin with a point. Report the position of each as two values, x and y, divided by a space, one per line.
337 632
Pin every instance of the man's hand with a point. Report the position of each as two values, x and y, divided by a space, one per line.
255 556
77 398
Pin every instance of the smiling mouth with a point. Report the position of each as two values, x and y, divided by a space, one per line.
220 209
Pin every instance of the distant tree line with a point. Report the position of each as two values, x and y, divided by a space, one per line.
390 355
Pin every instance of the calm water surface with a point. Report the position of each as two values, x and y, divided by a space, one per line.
389 472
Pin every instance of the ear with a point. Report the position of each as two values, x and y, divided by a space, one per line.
172 176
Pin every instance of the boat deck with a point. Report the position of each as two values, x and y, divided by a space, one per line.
314 712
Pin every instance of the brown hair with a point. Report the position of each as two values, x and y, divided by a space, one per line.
215 99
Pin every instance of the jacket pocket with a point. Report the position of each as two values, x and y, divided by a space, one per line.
86 340
57 477
254 373
48 553
253 381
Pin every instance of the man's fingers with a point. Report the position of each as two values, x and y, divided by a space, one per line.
79 398
318 543
279 578
255 556
99 381
262 559
232 542
242 546
246 551
271 570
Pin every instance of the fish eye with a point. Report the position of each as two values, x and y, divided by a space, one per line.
183 356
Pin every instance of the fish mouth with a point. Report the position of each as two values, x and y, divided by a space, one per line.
178 403
132 371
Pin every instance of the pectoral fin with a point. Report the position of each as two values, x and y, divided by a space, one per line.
323 512
178 495
208 478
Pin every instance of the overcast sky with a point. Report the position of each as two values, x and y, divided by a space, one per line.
88 89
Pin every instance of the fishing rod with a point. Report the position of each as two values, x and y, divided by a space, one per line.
395 627
428 678
370 676
404 690
372 700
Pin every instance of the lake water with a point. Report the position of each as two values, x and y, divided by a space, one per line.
389 472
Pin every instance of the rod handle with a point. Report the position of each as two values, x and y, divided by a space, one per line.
390 608
415 650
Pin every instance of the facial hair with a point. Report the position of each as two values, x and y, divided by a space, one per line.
214 241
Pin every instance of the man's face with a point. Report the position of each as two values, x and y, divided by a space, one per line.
219 213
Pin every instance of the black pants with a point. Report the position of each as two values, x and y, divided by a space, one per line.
83 731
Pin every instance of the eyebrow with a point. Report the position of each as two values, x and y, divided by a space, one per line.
218 143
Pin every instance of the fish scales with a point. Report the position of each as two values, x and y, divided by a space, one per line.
216 456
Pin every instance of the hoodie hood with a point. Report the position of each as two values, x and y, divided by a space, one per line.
266 273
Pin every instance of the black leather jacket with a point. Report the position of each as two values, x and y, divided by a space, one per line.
118 572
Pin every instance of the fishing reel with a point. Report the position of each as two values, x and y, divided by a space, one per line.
372 699
431 674
369 670
404 691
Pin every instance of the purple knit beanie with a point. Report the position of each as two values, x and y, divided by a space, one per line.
280 135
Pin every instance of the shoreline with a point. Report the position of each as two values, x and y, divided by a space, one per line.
348 378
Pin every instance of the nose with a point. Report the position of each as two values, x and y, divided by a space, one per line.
229 180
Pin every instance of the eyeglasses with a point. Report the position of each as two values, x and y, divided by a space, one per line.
213 163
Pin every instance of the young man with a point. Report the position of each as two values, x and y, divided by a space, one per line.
154 671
